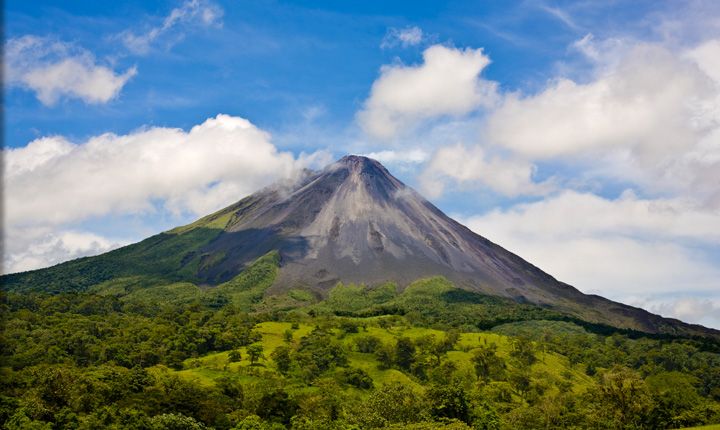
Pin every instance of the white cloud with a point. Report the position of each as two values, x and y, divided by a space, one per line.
706 56
612 247
410 36
653 120
412 156
647 116
34 248
605 54
53 69
447 83
51 183
470 167
192 12
690 309
648 104
54 181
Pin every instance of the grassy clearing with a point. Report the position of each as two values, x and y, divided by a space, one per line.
551 369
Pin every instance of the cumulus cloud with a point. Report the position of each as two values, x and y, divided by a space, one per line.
471 166
55 181
410 36
191 13
447 83
653 120
649 104
612 247
53 69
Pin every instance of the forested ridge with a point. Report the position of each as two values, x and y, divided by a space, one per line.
85 361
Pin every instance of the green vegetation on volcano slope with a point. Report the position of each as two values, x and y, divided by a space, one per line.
248 288
436 300
243 291
157 260
426 301
85 361
430 300
164 259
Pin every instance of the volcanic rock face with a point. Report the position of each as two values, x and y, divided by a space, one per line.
353 222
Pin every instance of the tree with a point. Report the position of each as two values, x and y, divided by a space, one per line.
235 356
438 349
675 399
393 403
367 344
255 352
356 377
486 417
176 422
404 354
21 421
175 359
486 362
384 356
277 406
521 380
231 388
449 402
319 352
444 373
348 326
281 357
54 387
430 346
524 351
137 379
621 397
451 338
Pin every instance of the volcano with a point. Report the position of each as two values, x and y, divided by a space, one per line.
352 222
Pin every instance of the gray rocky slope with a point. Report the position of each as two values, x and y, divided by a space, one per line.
353 222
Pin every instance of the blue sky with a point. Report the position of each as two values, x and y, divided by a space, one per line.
584 136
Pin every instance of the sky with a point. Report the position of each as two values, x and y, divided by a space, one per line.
583 136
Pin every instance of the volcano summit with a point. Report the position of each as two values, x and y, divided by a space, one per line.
352 222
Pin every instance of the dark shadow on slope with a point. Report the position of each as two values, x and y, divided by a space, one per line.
242 248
